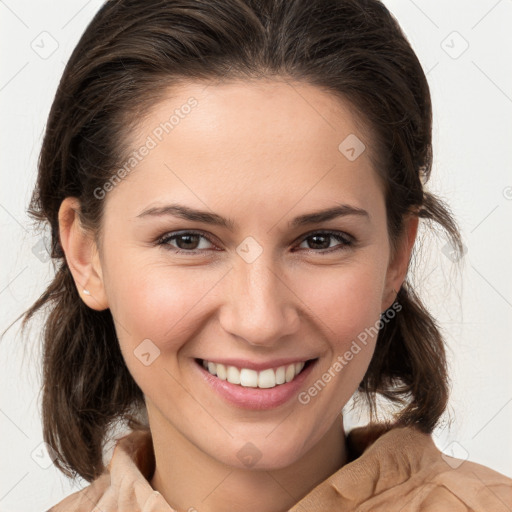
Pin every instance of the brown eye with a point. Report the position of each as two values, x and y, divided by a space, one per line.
187 241
321 241
184 242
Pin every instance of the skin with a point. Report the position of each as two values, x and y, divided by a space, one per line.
260 154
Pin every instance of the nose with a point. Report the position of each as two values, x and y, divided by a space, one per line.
261 307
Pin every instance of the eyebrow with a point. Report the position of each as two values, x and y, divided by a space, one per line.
191 214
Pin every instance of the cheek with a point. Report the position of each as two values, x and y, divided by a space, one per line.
157 312
347 302
345 299
158 303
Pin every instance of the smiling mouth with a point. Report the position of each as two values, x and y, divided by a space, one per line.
246 377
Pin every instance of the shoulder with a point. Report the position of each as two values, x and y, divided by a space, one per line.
85 499
124 483
106 495
431 480
400 468
473 486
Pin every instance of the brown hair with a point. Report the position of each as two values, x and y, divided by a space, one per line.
131 53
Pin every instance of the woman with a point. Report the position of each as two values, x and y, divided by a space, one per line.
234 190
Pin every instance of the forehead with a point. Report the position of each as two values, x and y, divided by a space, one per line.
270 112
261 139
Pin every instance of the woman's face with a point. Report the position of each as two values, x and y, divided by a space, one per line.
210 253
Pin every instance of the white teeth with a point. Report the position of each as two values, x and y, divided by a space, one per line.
290 372
233 375
248 378
221 371
269 378
281 375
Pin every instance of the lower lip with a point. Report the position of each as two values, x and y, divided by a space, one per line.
256 398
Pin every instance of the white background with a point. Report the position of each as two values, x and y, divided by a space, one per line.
472 99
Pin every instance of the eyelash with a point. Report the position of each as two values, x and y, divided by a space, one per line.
346 239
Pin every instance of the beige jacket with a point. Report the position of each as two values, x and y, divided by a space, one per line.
391 469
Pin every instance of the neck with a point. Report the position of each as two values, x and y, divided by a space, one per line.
189 479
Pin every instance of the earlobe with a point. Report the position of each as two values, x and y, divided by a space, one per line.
81 255
397 269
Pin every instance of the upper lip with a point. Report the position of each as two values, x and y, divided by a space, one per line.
258 366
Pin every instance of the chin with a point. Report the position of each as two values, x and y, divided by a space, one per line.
262 453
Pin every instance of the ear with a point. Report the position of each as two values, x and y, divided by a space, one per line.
82 255
398 265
